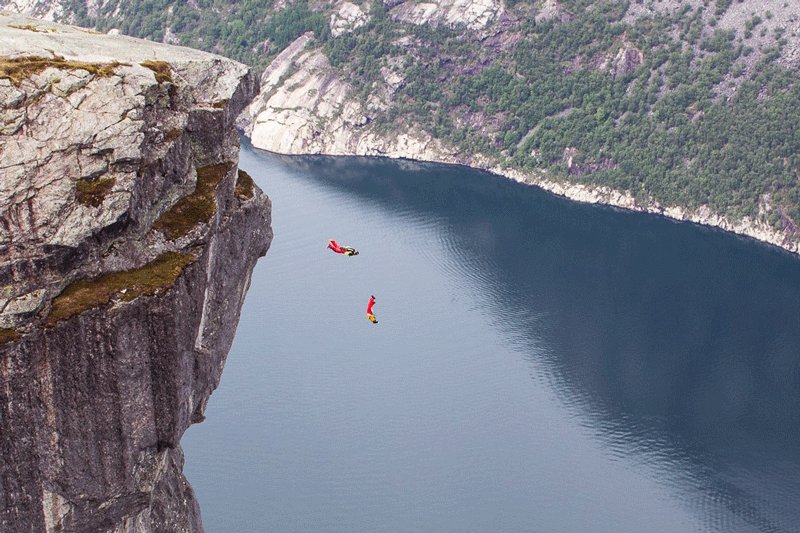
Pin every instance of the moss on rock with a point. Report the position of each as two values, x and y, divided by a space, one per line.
244 186
8 335
93 192
80 296
30 27
161 69
197 207
21 68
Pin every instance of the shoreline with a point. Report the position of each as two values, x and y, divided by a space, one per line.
576 192
283 120
702 216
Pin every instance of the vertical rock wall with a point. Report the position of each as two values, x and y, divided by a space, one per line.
127 241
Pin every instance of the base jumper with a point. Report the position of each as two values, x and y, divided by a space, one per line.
370 315
344 250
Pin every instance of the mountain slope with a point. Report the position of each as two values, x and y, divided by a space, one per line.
688 108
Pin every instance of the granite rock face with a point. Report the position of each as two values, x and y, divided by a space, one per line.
127 241
306 107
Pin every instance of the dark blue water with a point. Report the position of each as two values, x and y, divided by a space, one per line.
539 365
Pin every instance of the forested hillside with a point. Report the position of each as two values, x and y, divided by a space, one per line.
693 103
251 31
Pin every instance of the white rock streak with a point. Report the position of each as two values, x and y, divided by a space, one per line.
474 14
347 18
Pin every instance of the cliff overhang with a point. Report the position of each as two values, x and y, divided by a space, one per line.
127 241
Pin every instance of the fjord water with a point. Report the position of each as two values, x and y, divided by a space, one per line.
539 365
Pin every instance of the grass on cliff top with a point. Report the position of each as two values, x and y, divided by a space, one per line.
93 192
244 186
18 69
161 69
197 207
8 335
31 27
83 295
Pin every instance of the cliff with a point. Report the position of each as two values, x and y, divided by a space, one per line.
127 241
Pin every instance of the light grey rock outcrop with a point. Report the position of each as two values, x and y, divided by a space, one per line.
346 17
43 9
306 107
127 240
470 14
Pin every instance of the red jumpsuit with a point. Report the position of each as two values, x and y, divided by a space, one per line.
335 247
370 315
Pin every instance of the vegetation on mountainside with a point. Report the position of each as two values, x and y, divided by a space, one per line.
197 207
161 69
700 117
8 335
695 123
247 30
31 27
245 186
92 192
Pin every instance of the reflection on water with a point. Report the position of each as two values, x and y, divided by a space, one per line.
676 348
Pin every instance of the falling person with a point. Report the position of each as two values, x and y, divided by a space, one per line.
370 315
344 250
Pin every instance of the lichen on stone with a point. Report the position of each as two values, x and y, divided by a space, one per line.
161 69
93 192
18 69
127 285
197 207
244 186
172 134
8 335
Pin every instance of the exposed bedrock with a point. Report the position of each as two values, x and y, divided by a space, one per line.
127 241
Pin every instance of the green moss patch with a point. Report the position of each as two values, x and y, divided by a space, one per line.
161 69
93 192
28 27
244 186
83 295
8 335
173 134
18 69
197 207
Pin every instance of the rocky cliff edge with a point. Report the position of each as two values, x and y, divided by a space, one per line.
127 240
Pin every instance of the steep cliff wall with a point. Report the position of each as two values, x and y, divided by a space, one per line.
127 240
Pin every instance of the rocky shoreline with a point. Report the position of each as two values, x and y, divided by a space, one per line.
416 150
428 150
